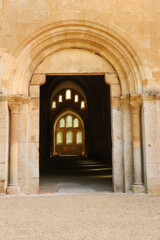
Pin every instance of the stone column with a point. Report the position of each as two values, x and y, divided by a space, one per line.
135 103
13 187
127 144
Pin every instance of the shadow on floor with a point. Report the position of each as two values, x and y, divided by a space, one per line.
75 174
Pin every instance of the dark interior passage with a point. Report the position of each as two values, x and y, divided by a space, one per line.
75 172
97 127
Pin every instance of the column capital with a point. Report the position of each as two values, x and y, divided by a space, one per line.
15 101
14 107
136 103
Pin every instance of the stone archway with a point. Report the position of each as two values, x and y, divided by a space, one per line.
103 47
65 149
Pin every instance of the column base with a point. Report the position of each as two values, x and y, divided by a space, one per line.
138 188
13 189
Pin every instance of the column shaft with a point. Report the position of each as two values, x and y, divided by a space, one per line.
136 103
13 187
137 146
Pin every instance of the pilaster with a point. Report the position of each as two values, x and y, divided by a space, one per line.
127 144
136 103
4 138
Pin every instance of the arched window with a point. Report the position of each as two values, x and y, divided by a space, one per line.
54 104
69 137
79 137
69 121
59 137
68 94
62 123
82 105
60 98
75 123
76 98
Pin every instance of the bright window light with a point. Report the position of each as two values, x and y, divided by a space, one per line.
68 94
76 98
69 137
62 123
79 137
76 123
82 105
60 98
69 121
59 137
54 104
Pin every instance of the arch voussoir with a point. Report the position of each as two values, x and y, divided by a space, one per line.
78 34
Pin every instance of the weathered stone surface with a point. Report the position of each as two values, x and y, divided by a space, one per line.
4 138
120 40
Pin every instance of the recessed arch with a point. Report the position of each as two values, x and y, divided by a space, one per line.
68 85
110 42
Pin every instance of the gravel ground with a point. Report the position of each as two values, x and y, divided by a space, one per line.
80 217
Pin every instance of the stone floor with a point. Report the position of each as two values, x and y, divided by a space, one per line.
77 175
89 216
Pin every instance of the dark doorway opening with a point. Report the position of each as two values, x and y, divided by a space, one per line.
92 166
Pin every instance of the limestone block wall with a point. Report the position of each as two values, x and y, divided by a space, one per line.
151 143
139 19
128 37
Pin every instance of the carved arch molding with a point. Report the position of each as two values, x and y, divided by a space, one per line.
107 51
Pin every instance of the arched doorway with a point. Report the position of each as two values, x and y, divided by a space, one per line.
69 134
111 53
75 132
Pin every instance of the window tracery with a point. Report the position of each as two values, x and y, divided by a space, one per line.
76 123
69 121
59 137
62 123
79 137
69 137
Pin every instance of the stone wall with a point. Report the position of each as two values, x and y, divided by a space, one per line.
139 19
151 143
124 33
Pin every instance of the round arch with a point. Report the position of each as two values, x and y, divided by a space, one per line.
69 84
110 42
